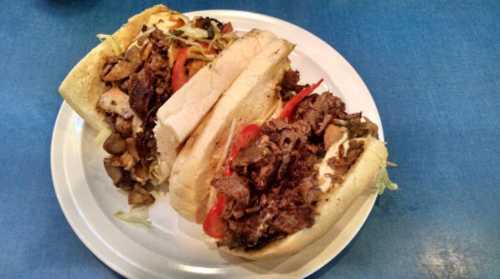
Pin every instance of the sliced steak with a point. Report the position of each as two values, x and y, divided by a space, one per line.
233 187
274 189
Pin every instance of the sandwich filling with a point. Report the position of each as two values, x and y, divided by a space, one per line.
164 56
273 188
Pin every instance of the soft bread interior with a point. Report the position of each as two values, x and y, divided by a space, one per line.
180 115
82 87
360 178
248 99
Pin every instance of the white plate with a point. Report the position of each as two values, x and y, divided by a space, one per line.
175 247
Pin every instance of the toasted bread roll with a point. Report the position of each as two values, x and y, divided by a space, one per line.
83 86
179 116
335 201
252 96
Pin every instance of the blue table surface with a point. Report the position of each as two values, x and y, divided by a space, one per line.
433 68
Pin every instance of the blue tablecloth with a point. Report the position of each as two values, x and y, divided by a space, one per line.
433 68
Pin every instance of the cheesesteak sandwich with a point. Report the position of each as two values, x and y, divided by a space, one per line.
274 166
250 98
155 78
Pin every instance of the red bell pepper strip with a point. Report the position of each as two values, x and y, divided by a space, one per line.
179 76
213 225
204 45
227 27
246 135
209 49
290 107
179 23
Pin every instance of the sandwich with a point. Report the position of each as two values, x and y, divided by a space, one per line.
147 86
265 164
274 165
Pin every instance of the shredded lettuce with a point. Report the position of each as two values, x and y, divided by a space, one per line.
117 50
156 173
186 41
392 164
136 215
227 145
193 32
206 58
384 182
274 109
215 27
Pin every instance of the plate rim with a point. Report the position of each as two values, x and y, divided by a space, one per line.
105 254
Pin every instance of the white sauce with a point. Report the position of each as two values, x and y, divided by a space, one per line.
324 169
